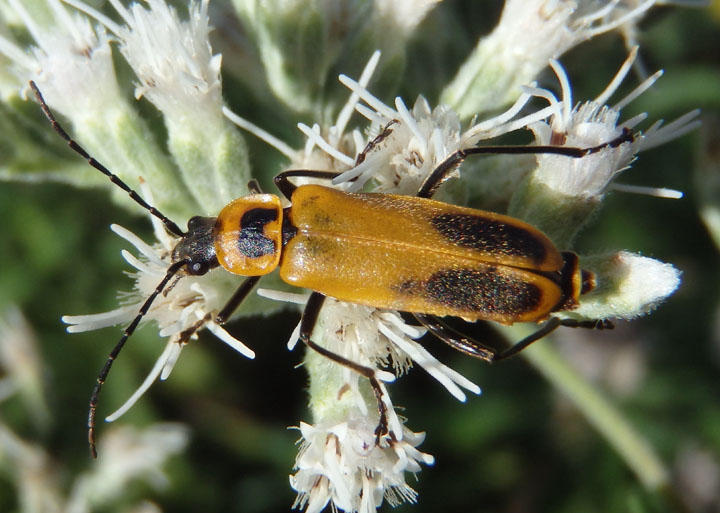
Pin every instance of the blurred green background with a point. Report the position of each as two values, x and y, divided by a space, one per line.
519 447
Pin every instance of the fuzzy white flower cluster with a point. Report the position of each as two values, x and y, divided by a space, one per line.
342 457
342 463
591 123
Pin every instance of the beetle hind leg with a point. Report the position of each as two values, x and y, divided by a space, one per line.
551 325
471 347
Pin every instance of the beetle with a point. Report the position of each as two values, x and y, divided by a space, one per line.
465 263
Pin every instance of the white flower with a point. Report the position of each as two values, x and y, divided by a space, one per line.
128 454
187 305
180 75
632 285
562 193
72 62
592 123
343 464
529 33
172 58
343 458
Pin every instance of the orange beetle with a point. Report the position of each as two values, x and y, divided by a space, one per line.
405 253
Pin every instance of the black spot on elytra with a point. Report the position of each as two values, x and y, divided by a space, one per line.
482 234
252 242
482 291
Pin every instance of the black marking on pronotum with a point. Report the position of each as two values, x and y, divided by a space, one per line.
252 242
482 234
482 291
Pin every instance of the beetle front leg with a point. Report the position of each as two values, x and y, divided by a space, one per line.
307 325
442 172
237 298
386 131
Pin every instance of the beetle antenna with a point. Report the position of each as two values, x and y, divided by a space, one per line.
172 271
171 226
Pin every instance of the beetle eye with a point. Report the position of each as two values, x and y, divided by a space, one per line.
201 224
194 222
197 268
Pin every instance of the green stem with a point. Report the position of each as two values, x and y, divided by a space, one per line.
602 415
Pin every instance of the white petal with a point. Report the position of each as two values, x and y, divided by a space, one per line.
171 361
142 266
409 121
349 107
149 380
603 97
139 244
294 338
446 376
657 192
89 322
313 134
280 295
226 337
261 134
407 329
368 98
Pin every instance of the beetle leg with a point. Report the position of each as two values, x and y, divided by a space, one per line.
441 173
549 327
593 324
443 170
237 298
476 349
286 187
254 187
456 339
307 324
